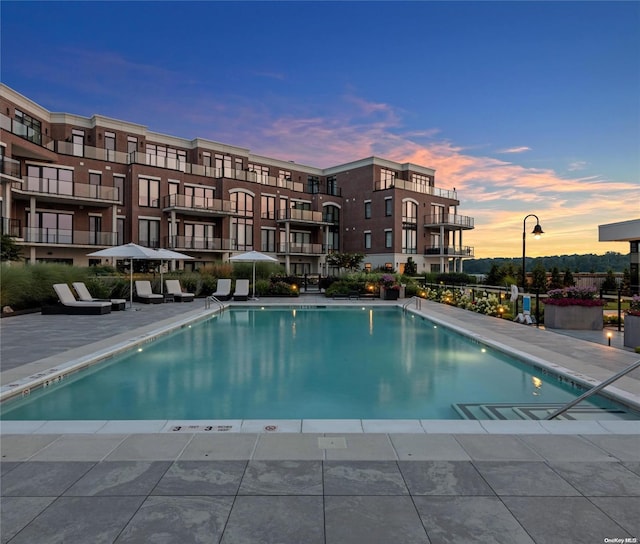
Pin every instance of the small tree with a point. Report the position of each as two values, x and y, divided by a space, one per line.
495 275
556 281
348 261
539 278
9 251
609 283
568 280
411 268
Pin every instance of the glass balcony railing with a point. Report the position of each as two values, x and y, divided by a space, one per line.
190 202
23 131
10 227
198 243
301 249
448 220
10 167
306 216
450 251
67 237
416 188
65 188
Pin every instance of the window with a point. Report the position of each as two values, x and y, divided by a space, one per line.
387 178
120 230
242 227
409 240
110 145
332 186
95 229
331 214
95 178
388 238
261 173
77 140
283 175
149 192
223 166
206 159
28 127
313 184
267 240
198 197
118 183
367 240
199 236
242 203
437 213
333 243
149 232
51 228
388 207
268 206
132 144
421 179
47 179
174 187
367 209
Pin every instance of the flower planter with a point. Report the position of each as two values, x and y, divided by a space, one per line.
391 294
573 317
632 331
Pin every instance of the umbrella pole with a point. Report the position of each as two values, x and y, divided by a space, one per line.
130 283
254 280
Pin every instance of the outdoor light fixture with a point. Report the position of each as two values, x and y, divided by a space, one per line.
537 232
609 338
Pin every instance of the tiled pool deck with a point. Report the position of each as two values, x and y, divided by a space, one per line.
333 482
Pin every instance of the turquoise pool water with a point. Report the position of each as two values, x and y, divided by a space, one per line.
361 363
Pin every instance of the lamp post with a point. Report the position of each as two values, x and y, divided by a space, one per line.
537 232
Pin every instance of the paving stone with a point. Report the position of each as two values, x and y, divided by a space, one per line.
19 447
356 520
220 446
267 520
8 466
363 478
81 447
428 447
80 520
288 446
120 478
39 479
524 479
201 478
282 478
443 478
625 511
184 520
363 447
623 447
496 448
563 519
565 448
633 467
17 512
150 447
600 479
470 520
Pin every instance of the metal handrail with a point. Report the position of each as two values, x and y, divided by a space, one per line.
209 300
594 390
418 302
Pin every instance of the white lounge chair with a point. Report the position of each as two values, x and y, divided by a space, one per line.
242 290
69 305
223 289
84 295
175 289
145 294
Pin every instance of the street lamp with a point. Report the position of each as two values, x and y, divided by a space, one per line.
537 231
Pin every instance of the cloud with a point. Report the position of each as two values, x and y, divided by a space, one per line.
577 165
520 149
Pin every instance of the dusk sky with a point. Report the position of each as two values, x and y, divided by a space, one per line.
523 107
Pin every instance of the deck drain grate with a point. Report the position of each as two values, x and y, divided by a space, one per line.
332 443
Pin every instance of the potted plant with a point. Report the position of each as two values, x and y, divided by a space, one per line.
573 308
632 323
390 287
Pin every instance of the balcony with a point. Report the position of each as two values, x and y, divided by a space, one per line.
196 243
449 220
300 249
450 251
416 188
197 205
39 146
10 227
88 152
292 215
9 168
67 237
54 190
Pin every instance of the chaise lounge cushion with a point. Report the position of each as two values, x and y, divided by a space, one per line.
70 306
175 289
145 294
84 295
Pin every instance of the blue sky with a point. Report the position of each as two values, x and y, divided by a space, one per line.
523 107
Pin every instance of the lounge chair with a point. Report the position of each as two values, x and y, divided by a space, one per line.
175 289
145 294
84 295
242 290
68 304
223 289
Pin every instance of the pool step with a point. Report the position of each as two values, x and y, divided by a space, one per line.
505 411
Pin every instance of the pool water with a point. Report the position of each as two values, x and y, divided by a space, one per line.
251 363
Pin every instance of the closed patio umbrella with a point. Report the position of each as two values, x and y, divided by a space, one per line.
253 257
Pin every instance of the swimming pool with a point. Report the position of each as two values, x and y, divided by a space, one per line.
298 363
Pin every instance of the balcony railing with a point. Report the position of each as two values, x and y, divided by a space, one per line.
416 188
302 249
450 251
23 131
62 188
88 152
198 203
448 220
10 227
67 237
10 167
198 243
306 216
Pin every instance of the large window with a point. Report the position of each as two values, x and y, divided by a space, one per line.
367 209
367 240
388 239
95 229
388 207
223 166
118 183
132 144
149 232
110 143
268 240
313 184
77 139
199 236
261 173
242 227
332 186
242 203
421 179
198 197
27 127
268 206
149 192
409 226
51 228
387 178
47 179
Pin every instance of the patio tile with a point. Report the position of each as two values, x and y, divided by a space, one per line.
8 466
621 427
363 478
70 427
331 426
146 426
355 520
496 448
428 447
39 479
220 446
443 478
119 478
565 448
623 447
563 519
282 478
20 427
17 512
633 467
573 427
19 447
446 426
201 478
363 447
392 426
93 447
469 520
288 446
623 510
78 520
600 479
524 478
150 447
178 519
285 520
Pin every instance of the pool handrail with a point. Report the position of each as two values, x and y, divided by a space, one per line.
208 300
414 298
594 390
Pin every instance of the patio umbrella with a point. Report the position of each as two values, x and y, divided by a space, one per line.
253 257
129 251
169 255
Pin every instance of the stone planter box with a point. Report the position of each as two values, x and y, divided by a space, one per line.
573 317
632 331
391 294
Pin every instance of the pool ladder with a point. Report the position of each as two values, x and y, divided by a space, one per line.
211 299
415 299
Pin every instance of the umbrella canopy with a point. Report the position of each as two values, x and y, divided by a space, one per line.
253 257
169 255
129 251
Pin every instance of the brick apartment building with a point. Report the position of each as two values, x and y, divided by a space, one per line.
72 185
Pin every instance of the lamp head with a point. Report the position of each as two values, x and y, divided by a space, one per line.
537 231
